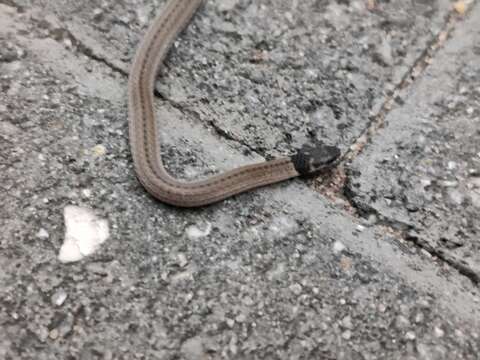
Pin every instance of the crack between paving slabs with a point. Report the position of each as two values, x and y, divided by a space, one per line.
363 210
79 44
408 233
90 53
418 68
218 130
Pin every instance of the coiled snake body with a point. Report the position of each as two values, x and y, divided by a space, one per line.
143 129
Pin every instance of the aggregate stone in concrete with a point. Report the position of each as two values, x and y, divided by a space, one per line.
277 273
422 171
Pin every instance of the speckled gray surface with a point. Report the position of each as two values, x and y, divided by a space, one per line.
424 176
284 272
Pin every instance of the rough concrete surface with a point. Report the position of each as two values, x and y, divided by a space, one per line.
424 177
385 267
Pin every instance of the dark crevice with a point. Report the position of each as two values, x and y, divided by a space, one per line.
13 4
409 233
416 70
450 259
89 52
218 130
362 208
62 33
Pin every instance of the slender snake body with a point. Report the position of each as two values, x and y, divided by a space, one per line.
143 129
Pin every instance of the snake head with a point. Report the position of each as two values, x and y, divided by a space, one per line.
313 159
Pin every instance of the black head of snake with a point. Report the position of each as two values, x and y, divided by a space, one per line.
313 159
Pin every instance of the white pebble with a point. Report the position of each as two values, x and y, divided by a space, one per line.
296 288
42 234
194 232
426 182
99 150
452 165
59 298
338 247
410 335
182 260
347 335
438 332
85 232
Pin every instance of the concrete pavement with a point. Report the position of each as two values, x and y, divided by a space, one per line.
380 262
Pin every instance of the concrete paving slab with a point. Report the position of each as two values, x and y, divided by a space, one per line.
421 173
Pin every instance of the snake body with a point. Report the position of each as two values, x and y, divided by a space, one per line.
145 146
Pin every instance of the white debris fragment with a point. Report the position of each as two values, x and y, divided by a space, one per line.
426 182
360 228
338 247
452 165
438 331
410 335
195 232
99 150
86 193
296 288
42 234
182 260
142 15
59 297
347 335
84 234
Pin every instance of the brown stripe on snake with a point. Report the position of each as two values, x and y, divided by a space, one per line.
144 136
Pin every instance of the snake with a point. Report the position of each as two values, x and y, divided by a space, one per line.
144 141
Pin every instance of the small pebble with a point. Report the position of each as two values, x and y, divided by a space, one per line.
438 332
59 298
448 183
426 182
410 335
240 318
99 150
42 234
296 289
182 260
338 247
347 322
53 334
360 228
419 318
347 335
452 165
194 232
460 7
